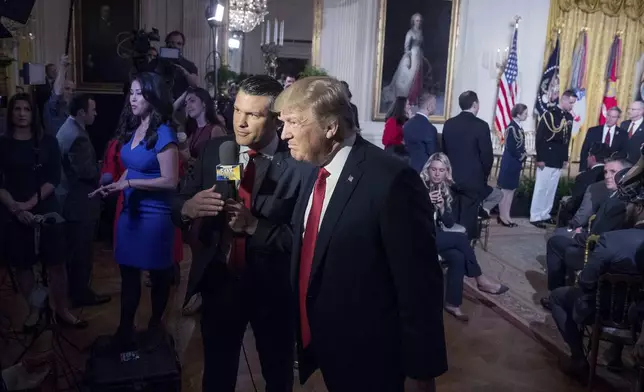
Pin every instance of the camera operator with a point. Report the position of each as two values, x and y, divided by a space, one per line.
186 71
30 162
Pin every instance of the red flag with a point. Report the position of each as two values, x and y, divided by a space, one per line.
610 96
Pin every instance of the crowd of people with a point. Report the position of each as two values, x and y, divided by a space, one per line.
323 228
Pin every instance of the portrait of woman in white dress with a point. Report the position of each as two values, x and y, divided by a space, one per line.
416 39
408 79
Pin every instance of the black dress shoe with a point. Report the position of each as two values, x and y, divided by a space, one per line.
76 324
91 300
545 302
539 224
483 214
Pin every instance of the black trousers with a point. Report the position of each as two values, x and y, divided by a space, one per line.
563 301
466 210
563 257
455 249
79 237
261 297
131 295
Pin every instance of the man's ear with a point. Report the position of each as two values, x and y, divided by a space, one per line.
332 129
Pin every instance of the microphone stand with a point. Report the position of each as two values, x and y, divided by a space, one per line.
41 221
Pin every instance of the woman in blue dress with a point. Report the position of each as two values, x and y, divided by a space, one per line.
145 232
512 163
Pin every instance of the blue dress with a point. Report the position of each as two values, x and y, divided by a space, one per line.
512 159
144 231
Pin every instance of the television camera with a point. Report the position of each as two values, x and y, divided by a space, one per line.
136 45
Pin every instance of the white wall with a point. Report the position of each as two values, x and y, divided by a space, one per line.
348 50
298 20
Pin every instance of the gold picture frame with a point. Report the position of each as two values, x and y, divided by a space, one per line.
318 7
378 114
81 70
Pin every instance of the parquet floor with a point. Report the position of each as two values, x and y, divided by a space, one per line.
488 354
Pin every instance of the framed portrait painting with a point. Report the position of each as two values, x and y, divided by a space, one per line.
99 27
416 45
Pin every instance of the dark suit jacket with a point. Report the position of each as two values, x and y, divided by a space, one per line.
582 182
610 216
275 191
375 293
468 145
421 140
633 145
80 173
614 252
594 135
596 194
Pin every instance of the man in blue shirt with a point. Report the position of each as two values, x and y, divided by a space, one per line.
56 109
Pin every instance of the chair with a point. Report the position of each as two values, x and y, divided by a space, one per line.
615 294
483 233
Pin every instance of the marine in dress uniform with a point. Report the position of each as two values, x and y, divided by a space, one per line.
552 141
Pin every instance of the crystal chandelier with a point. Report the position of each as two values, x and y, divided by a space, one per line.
245 15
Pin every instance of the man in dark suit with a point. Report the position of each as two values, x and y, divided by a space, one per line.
468 145
242 262
634 127
420 135
80 177
565 249
552 141
609 134
369 287
597 154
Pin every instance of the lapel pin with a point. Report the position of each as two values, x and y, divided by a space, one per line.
350 178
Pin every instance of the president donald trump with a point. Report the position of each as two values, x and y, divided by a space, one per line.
369 287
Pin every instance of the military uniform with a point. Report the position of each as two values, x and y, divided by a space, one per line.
552 141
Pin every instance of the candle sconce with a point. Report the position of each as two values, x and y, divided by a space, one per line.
271 44
495 62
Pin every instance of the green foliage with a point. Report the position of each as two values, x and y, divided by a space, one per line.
312 71
526 186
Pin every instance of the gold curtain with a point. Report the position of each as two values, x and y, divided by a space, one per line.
603 19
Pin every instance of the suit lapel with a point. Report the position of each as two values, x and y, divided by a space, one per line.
265 166
347 182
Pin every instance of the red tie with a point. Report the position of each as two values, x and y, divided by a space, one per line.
607 138
238 257
308 249
631 130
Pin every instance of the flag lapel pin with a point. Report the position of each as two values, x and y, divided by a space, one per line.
350 178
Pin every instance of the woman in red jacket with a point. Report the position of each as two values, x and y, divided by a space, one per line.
113 168
396 118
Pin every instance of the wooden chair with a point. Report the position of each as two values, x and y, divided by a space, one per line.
484 233
615 294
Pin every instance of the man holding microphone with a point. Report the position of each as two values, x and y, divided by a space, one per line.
243 238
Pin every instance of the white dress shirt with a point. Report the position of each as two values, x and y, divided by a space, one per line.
267 152
636 125
335 170
611 131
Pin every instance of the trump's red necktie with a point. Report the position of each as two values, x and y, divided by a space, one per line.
245 191
308 250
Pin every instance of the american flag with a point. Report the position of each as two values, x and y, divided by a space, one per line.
508 90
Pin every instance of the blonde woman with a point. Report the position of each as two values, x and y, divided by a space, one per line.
451 240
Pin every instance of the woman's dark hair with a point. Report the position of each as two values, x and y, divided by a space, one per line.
36 130
127 122
398 111
157 93
518 109
211 114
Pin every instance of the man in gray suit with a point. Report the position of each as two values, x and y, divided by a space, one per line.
80 176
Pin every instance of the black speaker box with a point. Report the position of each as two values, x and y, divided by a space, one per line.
154 370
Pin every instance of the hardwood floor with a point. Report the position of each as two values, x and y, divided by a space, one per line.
488 354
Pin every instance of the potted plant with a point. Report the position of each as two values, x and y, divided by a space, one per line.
523 195
310 70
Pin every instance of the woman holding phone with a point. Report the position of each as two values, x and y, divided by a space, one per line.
451 239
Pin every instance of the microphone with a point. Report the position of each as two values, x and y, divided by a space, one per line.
229 169
107 178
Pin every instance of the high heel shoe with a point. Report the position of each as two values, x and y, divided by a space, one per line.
502 223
